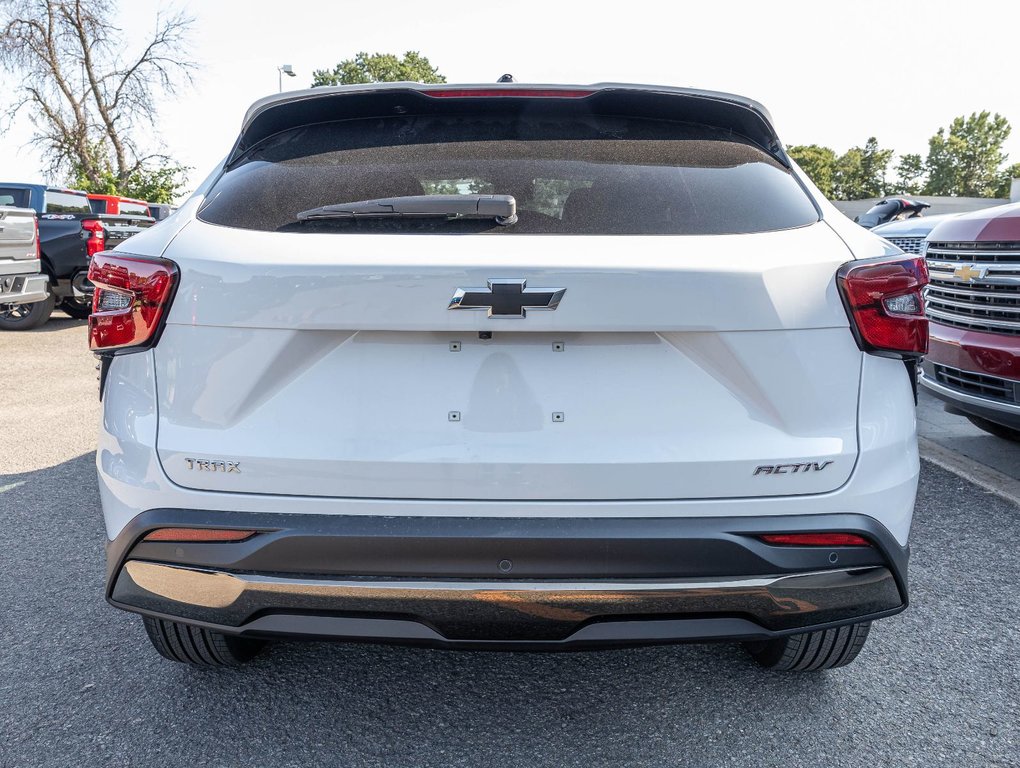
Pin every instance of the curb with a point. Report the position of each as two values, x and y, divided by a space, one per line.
990 479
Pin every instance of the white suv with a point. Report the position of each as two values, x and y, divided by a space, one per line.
508 366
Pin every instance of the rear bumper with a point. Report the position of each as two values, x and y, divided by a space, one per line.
23 289
485 582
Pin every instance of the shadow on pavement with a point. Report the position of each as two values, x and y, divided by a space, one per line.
81 685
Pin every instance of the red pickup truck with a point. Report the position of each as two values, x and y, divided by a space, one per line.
973 304
117 206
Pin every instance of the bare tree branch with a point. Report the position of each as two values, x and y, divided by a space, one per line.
87 97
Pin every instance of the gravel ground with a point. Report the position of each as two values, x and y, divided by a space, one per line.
79 684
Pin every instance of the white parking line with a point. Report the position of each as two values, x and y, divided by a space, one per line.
990 479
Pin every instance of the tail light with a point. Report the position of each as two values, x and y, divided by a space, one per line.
95 236
130 302
198 535
528 93
815 539
885 304
38 245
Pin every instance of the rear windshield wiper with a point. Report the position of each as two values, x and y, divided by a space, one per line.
502 208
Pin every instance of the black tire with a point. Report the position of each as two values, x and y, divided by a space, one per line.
199 647
76 309
825 649
999 430
25 317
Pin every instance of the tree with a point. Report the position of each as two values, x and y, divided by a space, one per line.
93 107
965 161
909 175
860 172
379 68
819 163
1006 180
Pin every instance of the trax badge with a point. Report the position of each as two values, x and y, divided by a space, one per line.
208 465
507 298
786 469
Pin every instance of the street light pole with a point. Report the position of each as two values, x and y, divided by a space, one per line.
284 69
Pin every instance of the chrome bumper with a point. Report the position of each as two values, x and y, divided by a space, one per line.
23 289
963 398
466 612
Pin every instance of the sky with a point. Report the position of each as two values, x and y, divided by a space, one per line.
831 73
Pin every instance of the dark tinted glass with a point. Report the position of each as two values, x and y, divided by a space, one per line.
98 205
134 209
593 176
16 197
66 202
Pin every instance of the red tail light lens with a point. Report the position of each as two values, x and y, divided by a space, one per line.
130 302
198 535
886 306
96 239
38 245
522 93
815 539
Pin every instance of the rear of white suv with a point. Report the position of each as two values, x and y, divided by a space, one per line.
508 366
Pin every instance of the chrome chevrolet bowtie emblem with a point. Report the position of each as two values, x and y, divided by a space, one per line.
507 298
969 272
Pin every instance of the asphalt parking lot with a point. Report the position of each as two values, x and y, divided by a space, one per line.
79 684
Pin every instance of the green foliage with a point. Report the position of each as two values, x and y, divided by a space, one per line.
909 175
860 173
819 163
1006 180
161 184
965 161
157 185
379 68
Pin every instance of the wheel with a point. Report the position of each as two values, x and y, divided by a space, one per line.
25 317
199 647
999 430
76 308
825 649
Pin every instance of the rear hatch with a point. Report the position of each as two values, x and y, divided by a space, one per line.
676 333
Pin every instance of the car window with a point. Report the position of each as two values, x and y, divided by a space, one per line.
134 209
98 205
66 202
597 175
15 197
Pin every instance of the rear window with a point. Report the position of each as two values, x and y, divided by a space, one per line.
98 205
66 202
16 197
134 209
592 175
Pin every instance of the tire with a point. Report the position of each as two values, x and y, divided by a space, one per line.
76 308
199 647
813 651
999 430
25 317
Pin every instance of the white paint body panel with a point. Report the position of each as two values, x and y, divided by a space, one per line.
322 364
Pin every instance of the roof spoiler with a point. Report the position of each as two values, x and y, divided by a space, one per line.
277 113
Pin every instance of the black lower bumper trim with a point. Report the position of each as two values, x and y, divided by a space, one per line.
478 581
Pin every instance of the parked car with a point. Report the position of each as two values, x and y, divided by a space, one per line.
118 205
69 234
974 306
160 211
909 234
458 396
892 209
21 281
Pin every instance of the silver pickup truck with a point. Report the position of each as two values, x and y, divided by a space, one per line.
21 282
